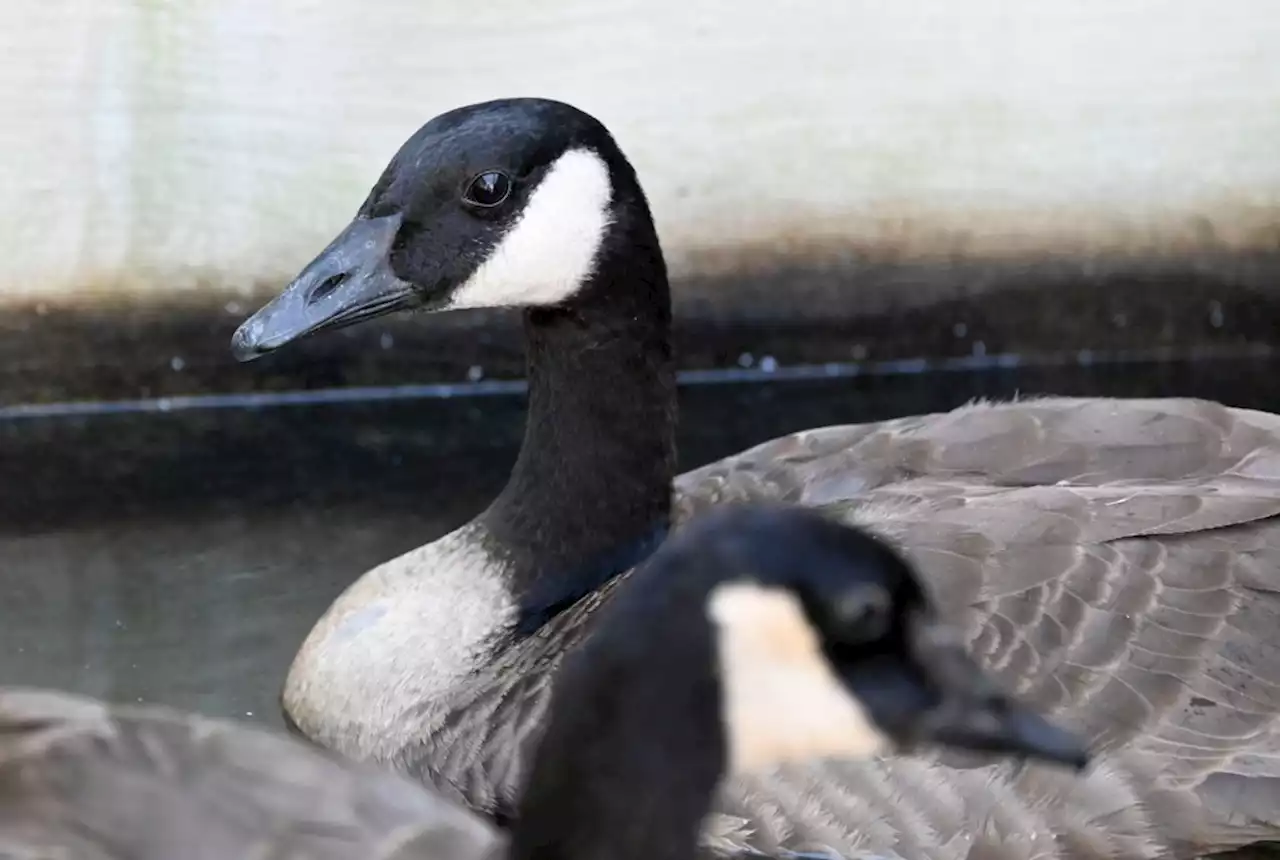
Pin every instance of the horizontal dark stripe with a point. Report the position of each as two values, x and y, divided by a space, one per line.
159 348
772 373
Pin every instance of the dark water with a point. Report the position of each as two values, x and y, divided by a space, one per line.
180 556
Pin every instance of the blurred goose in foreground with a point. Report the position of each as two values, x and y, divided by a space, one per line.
1115 561
759 635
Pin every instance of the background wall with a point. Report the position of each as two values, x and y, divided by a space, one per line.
167 164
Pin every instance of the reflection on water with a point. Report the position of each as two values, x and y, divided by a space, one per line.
180 557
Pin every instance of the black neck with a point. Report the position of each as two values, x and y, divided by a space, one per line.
592 484
634 746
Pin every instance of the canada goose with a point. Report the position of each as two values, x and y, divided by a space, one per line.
1116 561
758 635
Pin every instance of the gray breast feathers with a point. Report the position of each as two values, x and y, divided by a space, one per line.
1117 562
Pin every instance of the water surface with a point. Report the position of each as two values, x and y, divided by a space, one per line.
180 556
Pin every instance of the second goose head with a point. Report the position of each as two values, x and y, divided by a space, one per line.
757 636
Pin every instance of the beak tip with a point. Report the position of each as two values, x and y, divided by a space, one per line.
1075 759
1081 761
244 343
1052 743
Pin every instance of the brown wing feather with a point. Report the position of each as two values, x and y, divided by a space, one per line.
85 781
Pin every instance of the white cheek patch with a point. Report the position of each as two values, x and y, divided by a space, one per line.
782 701
551 250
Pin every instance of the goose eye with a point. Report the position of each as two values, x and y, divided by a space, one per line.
488 189
863 615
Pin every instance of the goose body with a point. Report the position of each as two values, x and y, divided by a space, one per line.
1117 561
644 723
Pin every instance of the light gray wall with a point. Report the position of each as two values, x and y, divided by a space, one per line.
205 144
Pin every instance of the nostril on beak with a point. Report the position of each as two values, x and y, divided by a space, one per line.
327 286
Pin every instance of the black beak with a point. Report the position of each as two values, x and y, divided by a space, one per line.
942 697
349 282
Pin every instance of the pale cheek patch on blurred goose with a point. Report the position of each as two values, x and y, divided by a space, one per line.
551 250
782 701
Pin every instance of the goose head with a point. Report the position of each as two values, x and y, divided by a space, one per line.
507 203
